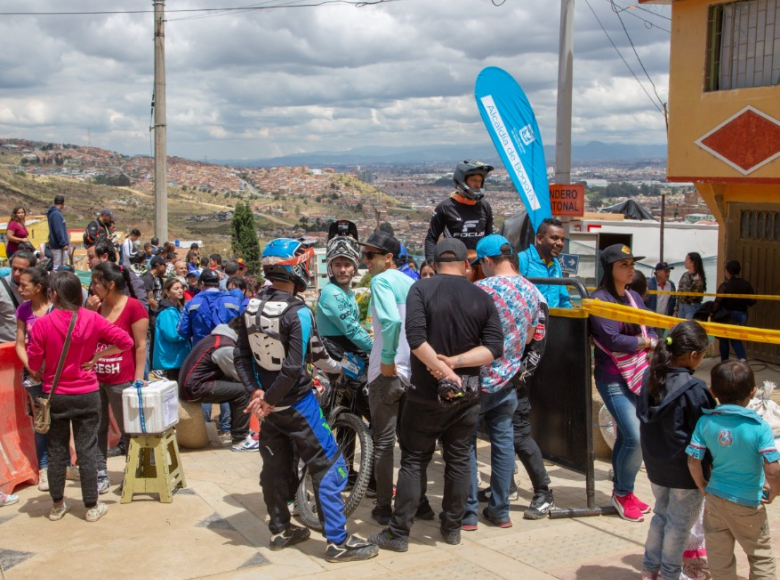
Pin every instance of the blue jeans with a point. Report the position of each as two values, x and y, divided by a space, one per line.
224 416
627 453
41 441
676 510
687 311
497 409
740 319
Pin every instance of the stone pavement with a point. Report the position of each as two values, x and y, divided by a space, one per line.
215 529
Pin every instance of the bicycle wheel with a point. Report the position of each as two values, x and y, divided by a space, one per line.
357 447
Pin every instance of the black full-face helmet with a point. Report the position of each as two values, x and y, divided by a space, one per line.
462 172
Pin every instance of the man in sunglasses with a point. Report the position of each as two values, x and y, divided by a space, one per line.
388 366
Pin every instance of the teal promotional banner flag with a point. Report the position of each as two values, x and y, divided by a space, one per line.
511 122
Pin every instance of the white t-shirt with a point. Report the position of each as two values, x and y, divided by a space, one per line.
662 300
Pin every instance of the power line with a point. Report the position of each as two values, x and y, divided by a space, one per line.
261 6
649 96
648 23
631 42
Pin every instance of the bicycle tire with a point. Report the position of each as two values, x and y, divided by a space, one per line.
305 504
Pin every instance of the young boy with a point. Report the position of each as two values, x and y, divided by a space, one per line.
743 451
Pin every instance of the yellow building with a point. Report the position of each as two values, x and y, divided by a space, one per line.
38 228
724 133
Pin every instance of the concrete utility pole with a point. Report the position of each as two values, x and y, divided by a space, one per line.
160 128
565 82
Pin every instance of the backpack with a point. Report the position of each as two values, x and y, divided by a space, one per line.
93 232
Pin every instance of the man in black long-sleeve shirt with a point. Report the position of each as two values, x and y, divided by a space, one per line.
445 316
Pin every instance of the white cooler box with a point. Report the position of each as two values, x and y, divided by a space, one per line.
160 402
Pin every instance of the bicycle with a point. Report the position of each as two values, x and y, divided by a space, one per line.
344 403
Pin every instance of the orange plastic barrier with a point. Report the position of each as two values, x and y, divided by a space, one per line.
18 462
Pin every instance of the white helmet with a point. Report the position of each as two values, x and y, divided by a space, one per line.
342 247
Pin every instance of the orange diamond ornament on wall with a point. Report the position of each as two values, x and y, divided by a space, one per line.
748 140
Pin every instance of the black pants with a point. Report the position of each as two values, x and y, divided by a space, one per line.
110 396
236 395
422 424
526 448
82 412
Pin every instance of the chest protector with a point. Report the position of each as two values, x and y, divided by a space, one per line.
263 323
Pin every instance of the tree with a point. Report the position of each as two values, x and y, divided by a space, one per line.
386 227
244 240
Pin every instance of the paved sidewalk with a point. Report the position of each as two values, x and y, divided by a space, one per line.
215 529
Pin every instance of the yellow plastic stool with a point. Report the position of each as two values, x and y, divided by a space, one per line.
141 476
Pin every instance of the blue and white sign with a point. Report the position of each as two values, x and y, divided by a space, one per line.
570 263
511 122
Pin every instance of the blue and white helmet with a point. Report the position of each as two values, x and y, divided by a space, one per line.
287 260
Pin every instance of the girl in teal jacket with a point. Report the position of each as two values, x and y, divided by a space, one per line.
170 349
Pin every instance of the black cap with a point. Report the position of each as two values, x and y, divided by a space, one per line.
156 261
617 252
451 246
209 276
385 242
58 199
663 266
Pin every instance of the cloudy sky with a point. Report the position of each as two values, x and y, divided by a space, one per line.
263 83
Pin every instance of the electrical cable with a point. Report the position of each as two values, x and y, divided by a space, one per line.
631 42
649 96
648 23
262 6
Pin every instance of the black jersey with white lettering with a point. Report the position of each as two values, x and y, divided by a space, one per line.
453 219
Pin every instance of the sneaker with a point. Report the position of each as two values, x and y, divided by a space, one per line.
103 482
43 479
642 506
513 495
351 550
387 540
469 526
483 495
425 511
96 512
289 537
540 506
57 513
223 434
452 537
247 444
292 508
118 451
8 498
693 572
72 472
627 509
496 521
382 514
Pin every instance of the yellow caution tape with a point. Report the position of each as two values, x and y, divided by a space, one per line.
636 316
702 294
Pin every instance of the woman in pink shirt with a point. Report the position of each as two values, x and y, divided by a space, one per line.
76 402
34 288
116 372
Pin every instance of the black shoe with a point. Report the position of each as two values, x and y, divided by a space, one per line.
117 451
452 537
425 511
387 540
290 536
382 514
483 495
540 506
351 550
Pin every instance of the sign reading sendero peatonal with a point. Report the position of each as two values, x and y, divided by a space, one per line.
567 199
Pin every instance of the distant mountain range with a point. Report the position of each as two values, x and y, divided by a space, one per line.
595 151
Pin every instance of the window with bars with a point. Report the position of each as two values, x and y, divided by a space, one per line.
759 226
743 45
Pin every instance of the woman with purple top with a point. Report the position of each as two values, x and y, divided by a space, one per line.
616 344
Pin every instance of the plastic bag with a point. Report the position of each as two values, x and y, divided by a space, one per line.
763 404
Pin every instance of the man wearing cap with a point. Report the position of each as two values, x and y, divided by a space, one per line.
447 318
519 304
662 303
541 261
59 239
388 366
99 229
191 289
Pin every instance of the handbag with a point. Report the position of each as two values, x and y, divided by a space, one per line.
42 405
632 366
